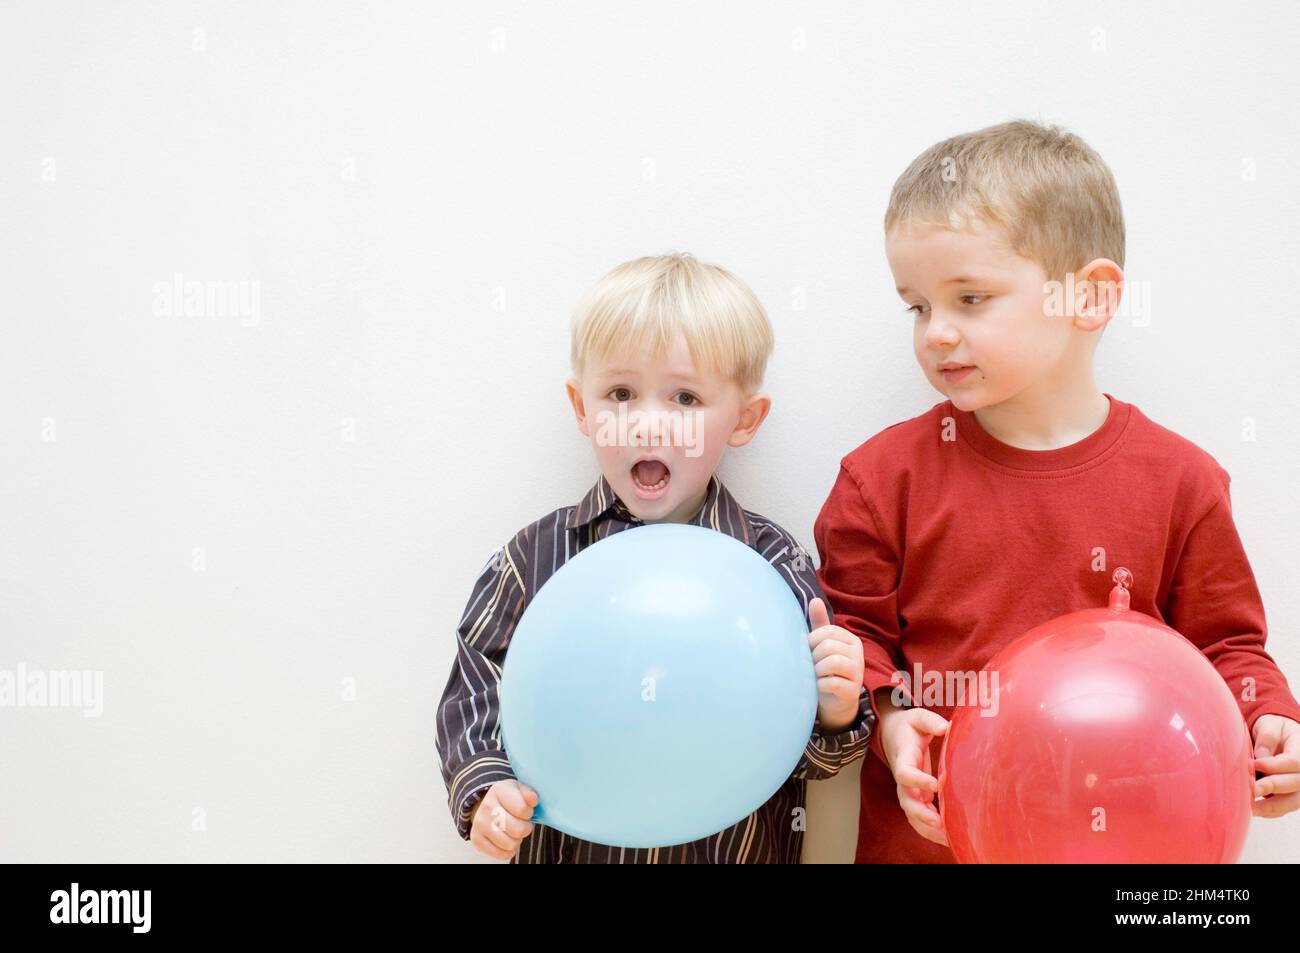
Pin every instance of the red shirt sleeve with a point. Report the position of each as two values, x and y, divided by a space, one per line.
1214 602
859 572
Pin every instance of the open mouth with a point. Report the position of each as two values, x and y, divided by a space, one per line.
650 478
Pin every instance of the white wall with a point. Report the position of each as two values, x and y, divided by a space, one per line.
420 194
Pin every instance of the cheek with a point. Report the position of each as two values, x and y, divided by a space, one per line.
1036 340
922 351
713 431
1016 334
610 456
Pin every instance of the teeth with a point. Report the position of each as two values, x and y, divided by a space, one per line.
658 486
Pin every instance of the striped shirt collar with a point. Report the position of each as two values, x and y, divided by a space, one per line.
720 511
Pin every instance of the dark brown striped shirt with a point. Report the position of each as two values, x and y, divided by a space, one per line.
469 731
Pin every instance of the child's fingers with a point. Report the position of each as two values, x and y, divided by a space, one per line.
910 776
933 833
840 665
1276 806
918 813
503 846
925 796
479 840
841 689
501 838
511 794
1268 735
824 642
1278 764
930 830
924 820
499 819
847 642
929 722
818 615
1277 784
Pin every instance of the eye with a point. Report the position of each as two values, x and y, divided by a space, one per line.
691 399
973 300
916 310
620 394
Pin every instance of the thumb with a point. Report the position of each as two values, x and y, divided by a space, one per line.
1268 735
930 722
817 614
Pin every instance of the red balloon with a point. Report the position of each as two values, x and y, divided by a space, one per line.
1114 741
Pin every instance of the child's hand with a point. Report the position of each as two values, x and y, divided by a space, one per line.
500 822
1277 754
837 660
905 735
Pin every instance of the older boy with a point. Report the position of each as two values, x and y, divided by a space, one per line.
948 535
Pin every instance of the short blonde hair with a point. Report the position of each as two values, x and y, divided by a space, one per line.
647 301
1047 187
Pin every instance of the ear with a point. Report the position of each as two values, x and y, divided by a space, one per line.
1098 286
574 389
753 411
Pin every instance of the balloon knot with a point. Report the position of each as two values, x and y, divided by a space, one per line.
1119 596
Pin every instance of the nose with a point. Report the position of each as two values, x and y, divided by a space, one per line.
940 333
647 426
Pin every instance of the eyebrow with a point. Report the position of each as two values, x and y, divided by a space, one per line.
955 280
621 372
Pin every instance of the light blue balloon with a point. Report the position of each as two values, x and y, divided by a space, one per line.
659 688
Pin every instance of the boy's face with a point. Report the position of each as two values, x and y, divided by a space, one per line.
659 427
983 333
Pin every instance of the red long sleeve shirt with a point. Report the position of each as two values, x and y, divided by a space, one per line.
940 544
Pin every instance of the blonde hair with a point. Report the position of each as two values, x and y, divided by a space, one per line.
1047 187
647 301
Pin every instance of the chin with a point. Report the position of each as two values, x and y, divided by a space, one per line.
969 401
641 508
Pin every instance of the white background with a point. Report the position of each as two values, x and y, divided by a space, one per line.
422 192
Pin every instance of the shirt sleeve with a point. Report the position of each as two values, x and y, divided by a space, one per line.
1215 602
825 754
469 727
860 574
